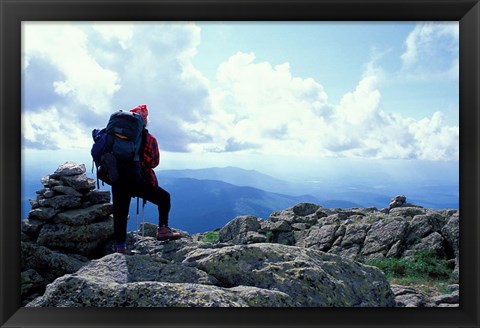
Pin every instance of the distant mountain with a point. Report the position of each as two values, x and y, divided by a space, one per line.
238 177
205 199
203 205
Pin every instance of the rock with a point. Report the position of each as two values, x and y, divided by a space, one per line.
43 213
30 280
139 268
396 250
78 182
397 201
382 235
236 231
407 211
409 297
304 209
451 232
32 227
66 191
69 169
278 226
453 298
83 239
61 202
321 238
118 281
434 242
355 234
49 264
84 216
309 277
98 196
421 226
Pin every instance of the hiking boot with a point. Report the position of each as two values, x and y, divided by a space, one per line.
123 250
165 233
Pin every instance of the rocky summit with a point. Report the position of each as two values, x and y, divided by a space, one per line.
303 256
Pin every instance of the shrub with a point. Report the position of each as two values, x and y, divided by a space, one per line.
211 237
423 265
270 237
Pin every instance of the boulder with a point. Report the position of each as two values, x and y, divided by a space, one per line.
383 235
119 281
238 231
409 297
321 238
48 263
304 209
434 242
311 278
421 226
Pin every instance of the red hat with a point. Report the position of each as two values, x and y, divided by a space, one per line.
142 110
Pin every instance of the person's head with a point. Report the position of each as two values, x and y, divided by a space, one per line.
142 111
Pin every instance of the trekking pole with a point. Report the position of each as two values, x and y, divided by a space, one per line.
143 217
136 218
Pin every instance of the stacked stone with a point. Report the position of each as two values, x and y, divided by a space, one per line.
69 214
70 223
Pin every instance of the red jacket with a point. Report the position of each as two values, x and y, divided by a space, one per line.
150 158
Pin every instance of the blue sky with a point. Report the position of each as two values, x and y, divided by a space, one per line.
239 93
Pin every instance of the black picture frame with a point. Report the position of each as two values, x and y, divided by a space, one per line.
13 12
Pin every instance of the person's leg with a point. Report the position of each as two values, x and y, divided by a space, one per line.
161 198
121 203
164 206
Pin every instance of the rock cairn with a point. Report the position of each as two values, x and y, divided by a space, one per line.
69 223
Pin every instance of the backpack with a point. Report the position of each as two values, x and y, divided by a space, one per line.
117 144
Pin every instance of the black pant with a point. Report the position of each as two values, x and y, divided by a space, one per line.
122 193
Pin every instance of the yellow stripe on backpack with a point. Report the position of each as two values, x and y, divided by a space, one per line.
121 136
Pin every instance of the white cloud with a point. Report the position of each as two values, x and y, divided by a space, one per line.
256 107
121 32
66 48
432 51
49 128
259 107
102 67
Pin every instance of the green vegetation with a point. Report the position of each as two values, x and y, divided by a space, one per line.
422 267
270 237
211 237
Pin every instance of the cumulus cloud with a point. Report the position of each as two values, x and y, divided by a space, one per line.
75 75
432 51
264 108
95 69
49 128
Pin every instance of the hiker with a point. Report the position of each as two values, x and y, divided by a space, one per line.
140 182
